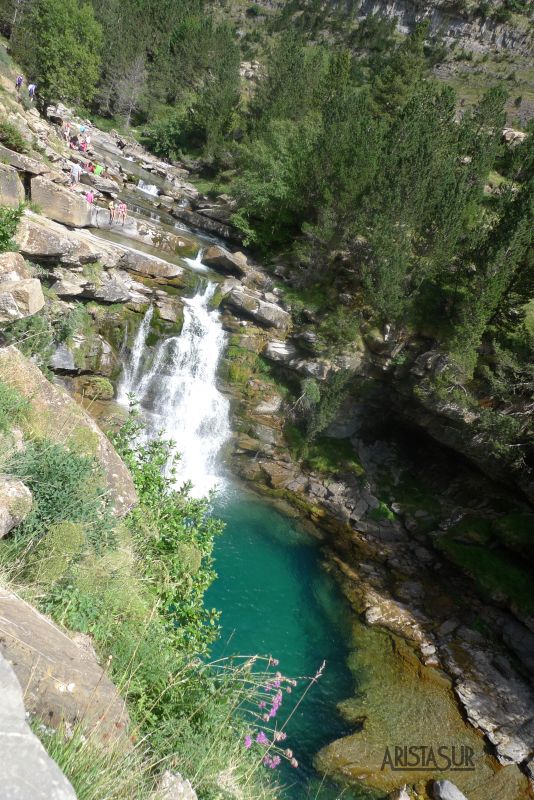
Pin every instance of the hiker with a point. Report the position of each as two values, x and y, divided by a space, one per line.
75 173
99 169
65 131
31 91
83 146
112 211
18 83
90 197
123 210
74 143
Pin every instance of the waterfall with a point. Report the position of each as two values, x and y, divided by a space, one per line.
178 393
196 263
130 375
148 188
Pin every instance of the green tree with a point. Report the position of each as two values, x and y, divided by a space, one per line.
58 43
394 82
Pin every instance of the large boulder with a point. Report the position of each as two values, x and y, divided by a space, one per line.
246 303
62 681
48 242
13 268
20 294
111 286
22 163
61 204
223 260
28 772
55 415
15 503
11 188
149 265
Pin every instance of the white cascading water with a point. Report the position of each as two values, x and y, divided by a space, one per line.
178 392
148 188
196 263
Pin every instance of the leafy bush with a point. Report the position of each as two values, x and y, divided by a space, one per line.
9 220
66 487
11 137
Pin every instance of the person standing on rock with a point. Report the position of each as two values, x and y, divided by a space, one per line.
75 173
31 91
112 211
90 197
123 210
18 83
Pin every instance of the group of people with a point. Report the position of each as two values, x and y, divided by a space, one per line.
77 139
32 88
118 211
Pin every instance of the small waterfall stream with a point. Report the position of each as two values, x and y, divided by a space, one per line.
178 394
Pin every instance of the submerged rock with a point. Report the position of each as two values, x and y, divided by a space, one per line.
445 790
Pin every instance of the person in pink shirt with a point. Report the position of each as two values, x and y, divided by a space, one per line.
90 197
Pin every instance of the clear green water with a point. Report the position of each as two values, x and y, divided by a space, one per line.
277 600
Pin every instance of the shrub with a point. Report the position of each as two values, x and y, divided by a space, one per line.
11 137
9 220
12 407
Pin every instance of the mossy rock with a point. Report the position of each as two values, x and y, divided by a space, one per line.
95 387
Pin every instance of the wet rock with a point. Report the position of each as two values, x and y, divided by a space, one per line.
200 222
61 682
170 309
223 260
15 503
61 204
28 773
56 416
521 640
250 304
445 790
11 188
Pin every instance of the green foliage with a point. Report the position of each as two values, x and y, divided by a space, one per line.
58 43
11 137
13 407
66 487
9 220
33 336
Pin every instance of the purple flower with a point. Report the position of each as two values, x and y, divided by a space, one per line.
272 712
275 762
267 761
248 742
262 739
276 684
262 704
